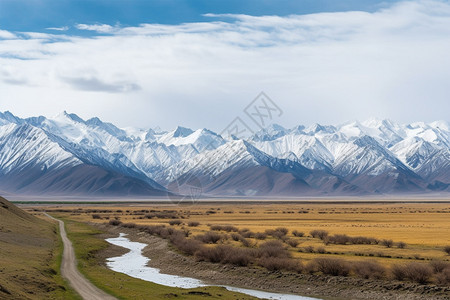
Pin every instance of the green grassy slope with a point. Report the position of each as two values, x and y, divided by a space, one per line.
30 252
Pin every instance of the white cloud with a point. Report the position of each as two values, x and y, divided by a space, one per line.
327 67
7 35
64 28
100 28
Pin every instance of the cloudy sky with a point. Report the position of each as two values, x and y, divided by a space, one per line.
200 63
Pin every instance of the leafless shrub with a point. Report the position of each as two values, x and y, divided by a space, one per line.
401 245
298 233
96 216
210 237
212 254
343 239
154 229
447 249
283 230
321 250
340 239
227 228
245 242
416 272
419 273
239 256
308 249
115 222
321 234
310 268
247 233
277 263
387 243
398 272
278 233
362 240
272 249
369 269
443 278
225 254
215 227
193 224
292 242
439 265
235 236
260 236
129 225
332 266
188 246
175 222
166 214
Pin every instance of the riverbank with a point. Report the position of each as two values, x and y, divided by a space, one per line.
170 261
90 248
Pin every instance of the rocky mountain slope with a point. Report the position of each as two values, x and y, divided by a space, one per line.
67 155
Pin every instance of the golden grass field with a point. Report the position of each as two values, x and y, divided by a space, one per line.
424 227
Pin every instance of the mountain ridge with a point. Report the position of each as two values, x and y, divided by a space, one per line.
68 155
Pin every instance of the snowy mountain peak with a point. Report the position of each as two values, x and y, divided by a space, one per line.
372 156
269 133
299 129
8 117
442 125
182 132
94 121
72 117
377 123
317 128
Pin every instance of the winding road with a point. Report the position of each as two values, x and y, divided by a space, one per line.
69 271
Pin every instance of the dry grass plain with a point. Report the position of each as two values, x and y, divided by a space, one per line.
423 227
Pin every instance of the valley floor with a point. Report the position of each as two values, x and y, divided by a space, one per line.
421 226
171 261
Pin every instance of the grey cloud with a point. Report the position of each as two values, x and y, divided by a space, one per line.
8 78
95 85
15 81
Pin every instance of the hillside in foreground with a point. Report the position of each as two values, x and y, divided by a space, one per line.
28 260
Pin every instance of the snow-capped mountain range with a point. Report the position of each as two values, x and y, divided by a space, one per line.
67 155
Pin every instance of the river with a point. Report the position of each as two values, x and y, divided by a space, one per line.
134 264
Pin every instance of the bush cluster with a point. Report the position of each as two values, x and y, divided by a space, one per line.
369 269
298 233
247 233
321 234
279 232
210 237
115 222
343 239
330 266
274 255
417 272
447 249
227 228
175 222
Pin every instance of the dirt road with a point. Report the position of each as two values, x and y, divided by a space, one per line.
70 272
